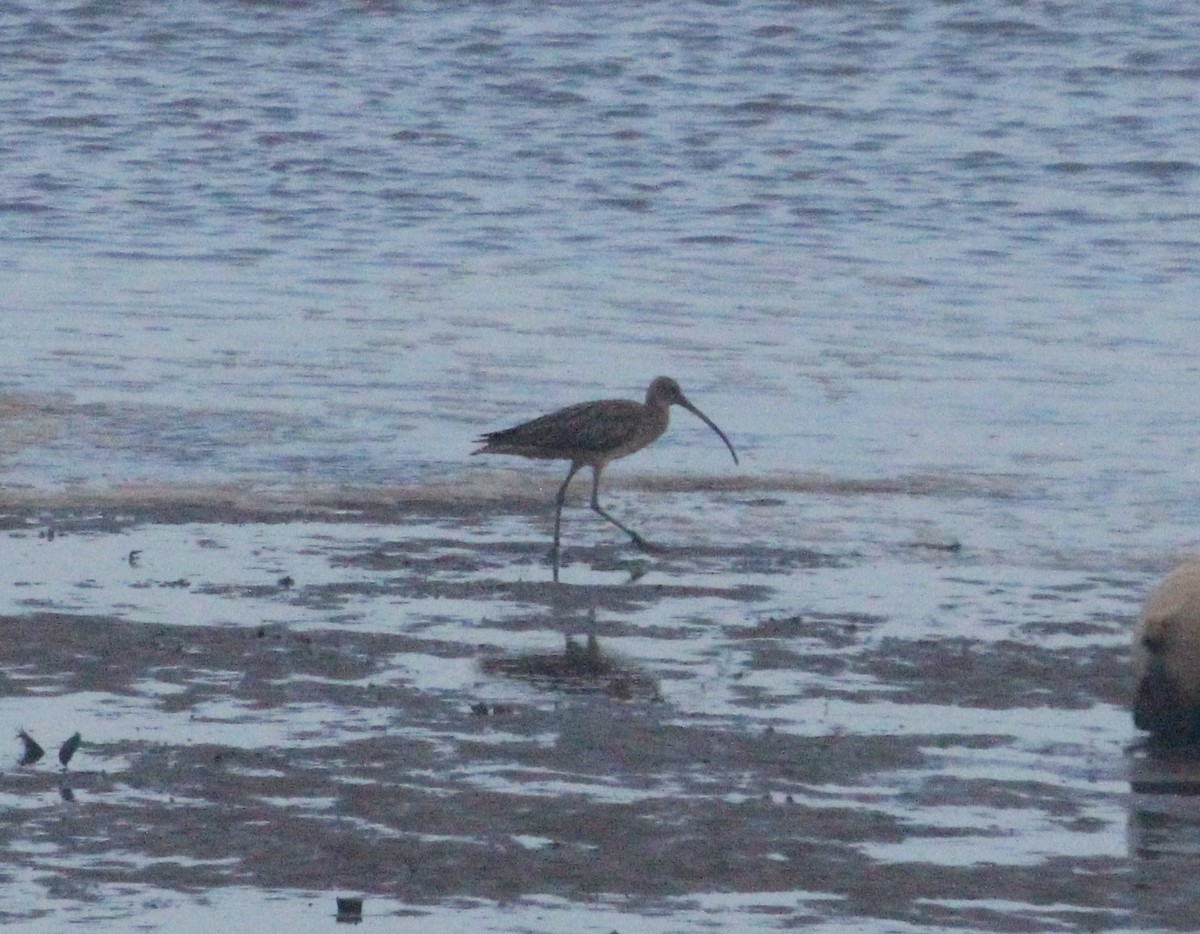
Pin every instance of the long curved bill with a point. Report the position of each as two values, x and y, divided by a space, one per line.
711 424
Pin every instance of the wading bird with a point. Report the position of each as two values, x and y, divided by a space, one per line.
591 434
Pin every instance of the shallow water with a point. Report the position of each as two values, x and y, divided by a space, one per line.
331 243
268 270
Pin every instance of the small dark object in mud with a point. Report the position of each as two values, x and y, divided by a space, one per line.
287 582
133 557
480 709
349 910
67 794
67 749
33 751
579 668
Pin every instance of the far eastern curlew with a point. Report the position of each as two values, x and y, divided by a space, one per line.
591 434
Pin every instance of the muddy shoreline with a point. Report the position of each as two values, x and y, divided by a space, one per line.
290 746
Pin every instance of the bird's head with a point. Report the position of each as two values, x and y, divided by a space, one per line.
664 392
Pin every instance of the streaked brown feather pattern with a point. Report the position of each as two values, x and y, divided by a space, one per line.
582 432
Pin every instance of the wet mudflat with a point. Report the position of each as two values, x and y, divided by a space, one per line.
395 702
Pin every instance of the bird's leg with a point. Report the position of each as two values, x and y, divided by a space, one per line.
637 539
558 508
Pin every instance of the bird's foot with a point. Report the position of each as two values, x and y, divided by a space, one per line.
648 547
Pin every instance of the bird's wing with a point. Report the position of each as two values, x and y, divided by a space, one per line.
586 428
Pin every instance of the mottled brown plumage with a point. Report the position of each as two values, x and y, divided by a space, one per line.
591 434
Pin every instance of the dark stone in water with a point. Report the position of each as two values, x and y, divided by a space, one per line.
67 749
33 751
349 910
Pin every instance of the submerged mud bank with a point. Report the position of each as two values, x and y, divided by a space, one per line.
357 706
